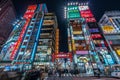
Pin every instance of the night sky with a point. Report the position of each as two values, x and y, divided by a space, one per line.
98 7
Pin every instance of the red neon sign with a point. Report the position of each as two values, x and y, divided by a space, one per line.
16 46
28 14
62 55
30 11
90 19
87 14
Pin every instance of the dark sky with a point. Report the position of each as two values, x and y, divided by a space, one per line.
98 8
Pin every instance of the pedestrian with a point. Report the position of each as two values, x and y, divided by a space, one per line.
98 73
4 76
42 75
54 72
59 72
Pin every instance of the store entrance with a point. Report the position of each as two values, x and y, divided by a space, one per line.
81 67
84 65
62 60
27 67
63 63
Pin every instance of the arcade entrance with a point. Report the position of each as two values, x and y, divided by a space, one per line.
62 60
84 65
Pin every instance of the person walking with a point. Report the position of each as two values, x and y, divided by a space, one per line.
98 73
41 74
59 72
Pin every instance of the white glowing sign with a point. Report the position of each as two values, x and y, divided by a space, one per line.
83 8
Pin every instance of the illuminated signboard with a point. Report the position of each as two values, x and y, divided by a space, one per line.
70 48
87 14
83 8
79 38
30 11
118 52
96 36
77 32
94 30
16 46
48 22
108 29
73 12
109 59
82 52
117 49
90 19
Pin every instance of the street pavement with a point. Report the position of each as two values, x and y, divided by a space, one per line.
77 77
80 78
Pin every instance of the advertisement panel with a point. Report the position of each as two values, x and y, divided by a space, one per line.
93 30
86 12
85 15
44 49
90 19
110 60
30 11
107 29
96 36
83 8
82 52
70 48
73 12
77 32
117 50
79 38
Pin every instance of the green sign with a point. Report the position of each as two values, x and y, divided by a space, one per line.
73 12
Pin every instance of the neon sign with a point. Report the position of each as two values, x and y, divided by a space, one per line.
73 12
16 46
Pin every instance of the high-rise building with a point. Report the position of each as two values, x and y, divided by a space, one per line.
110 26
48 41
85 40
7 16
33 39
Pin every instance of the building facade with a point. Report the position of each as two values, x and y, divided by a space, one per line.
110 26
85 40
48 41
33 40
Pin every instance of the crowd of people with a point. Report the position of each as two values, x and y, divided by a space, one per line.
39 74
10 75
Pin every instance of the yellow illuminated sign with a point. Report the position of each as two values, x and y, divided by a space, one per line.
108 29
118 52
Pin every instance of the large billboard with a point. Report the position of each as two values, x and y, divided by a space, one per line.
107 29
73 12
87 14
30 11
